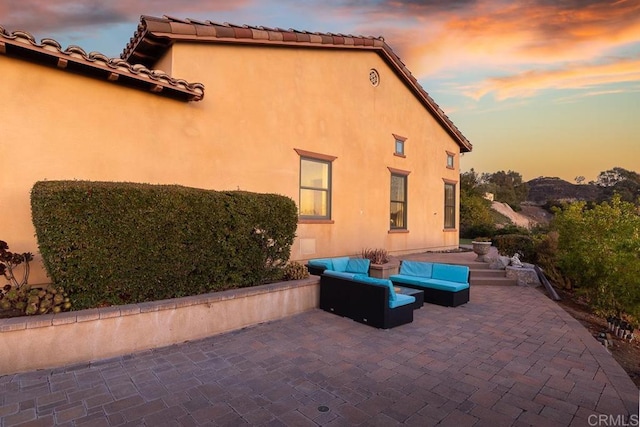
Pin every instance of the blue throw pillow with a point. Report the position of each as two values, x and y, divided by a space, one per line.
358 265
416 268
340 263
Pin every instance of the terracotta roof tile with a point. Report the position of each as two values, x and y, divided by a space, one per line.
243 33
21 44
155 35
224 31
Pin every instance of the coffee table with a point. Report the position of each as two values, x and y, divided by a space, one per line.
416 293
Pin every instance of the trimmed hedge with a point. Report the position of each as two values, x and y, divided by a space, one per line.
113 243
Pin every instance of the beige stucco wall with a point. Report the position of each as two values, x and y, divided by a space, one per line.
260 104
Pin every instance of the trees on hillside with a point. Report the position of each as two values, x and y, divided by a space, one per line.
476 218
619 181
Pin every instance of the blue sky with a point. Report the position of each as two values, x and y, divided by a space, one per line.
541 87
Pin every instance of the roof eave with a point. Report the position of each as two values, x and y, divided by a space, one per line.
48 52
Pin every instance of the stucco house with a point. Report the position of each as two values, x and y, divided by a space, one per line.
336 122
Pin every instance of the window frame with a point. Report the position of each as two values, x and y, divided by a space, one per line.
450 221
404 175
399 141
322 159
451 157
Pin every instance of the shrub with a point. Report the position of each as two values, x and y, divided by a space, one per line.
295 271
18 296
117 243
598 252
510 244
376 256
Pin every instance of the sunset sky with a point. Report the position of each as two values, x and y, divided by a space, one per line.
541 87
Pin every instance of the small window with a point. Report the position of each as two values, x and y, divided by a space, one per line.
399 145
315 186
450 160
449 205
398 208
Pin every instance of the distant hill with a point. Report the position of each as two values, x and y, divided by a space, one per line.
544 189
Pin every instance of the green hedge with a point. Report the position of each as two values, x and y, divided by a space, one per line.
112 243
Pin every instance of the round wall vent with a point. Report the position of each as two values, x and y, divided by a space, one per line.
374 77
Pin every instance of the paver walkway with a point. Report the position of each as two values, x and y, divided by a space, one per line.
511 356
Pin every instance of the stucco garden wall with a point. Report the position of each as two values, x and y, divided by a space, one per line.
53 340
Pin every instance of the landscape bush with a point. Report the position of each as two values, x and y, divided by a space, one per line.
112 243
511 244
599 254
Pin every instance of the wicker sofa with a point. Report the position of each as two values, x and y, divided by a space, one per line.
443 284
365 299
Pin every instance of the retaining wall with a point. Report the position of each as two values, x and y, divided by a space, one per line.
53 340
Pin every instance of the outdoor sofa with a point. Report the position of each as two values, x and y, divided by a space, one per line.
443 284
349 267
365 299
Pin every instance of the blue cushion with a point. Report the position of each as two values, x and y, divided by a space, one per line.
358 265
452 273
379 282
416 268
411 280
445 285
340 263
402 300
321 262
340 274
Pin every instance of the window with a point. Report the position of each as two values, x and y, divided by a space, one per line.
450 160
315 185
449 205
398 211
399 145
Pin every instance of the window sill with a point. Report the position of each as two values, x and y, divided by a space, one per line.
450 230
398 231
400 155
315 221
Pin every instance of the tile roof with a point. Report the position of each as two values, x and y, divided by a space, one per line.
23 45
155 35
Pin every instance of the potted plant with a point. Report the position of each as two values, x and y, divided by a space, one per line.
481 247
382 265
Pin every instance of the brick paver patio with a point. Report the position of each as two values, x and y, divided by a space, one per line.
510 356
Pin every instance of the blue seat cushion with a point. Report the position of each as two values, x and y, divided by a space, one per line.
340 274
445 285
451 273
402 300
416 268
411 280
340 263
358 265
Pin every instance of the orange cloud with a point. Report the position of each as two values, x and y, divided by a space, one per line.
579 77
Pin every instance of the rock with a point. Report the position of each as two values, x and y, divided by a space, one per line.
524 276
499 263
